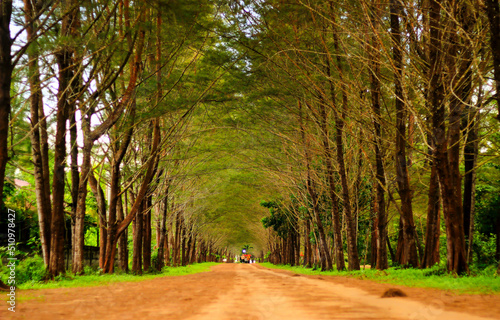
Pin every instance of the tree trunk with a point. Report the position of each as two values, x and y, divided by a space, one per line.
497 229
137 240
101 211
5 81
470 158
433 229
337 228
39 162
6 68
64 58
123 239
493 12
146 242
177 240
380 224
78 229
339 117
192 258
375 239
409 250
307 244
446 160
326 260
162 230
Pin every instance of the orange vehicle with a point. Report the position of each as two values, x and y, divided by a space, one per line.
245 258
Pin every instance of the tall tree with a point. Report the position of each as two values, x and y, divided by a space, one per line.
326 260
446 144
64 58
340 115
409 249
5 82
38 136
6 68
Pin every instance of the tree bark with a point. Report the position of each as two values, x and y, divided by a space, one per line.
380 227
493 13
5 81
146 241
36 113
326 260
77 237
328 154
339 117
148 177
433 228
6 68
409 250
64 58
446 159
127 100
137 240
101 211
123 239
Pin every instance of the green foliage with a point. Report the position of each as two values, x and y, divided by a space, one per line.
279 219
29 270
484 248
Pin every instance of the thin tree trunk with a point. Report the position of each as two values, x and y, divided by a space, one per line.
6 68
409 253
447 160
326 261
307 241
5 81
493 12
177 237
146 242
339 117
137 240
77 235
64 62
128 96
374 237
381 261
433 230
327 149
123 239
470 158
162 230
36 104
101 211
192 258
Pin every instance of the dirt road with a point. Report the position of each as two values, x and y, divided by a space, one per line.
235 291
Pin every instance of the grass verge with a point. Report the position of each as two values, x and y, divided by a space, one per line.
485 282
92 280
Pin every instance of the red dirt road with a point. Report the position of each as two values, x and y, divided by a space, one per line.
236 291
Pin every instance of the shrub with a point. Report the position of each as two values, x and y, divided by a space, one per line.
30 269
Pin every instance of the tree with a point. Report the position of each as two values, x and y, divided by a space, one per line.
39 137
409 249
5 82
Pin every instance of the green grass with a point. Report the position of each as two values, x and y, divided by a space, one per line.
484 282
92 280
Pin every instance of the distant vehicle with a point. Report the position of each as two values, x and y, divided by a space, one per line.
245 258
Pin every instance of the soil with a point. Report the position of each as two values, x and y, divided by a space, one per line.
249 292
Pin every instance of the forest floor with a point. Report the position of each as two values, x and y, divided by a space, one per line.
242 291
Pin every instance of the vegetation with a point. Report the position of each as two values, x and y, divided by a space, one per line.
30 274
483 282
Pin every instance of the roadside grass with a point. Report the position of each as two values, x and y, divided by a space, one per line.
481 282
96 279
